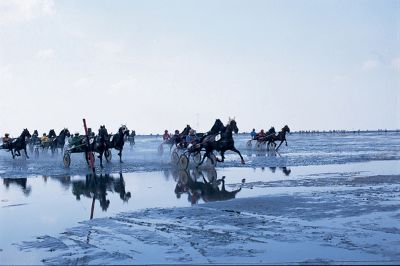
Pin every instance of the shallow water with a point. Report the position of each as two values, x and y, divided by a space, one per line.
45 205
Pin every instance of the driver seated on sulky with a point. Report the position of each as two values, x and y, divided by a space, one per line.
76 140
44 138
191 138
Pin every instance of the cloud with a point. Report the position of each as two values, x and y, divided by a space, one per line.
370 65
45 54
396 64
17 11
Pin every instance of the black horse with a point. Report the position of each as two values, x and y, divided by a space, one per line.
281 136
18 144
52 134
59 141
118 140
269 137
221 142
100 144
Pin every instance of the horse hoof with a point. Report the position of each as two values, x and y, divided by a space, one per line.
243 162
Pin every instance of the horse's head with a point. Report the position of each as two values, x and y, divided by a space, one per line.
124 130
286 129
232 124
25 133
271 130
35 133
67 133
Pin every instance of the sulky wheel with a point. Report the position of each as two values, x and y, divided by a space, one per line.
183 162
67 159
248 144
258 145
183 177
196 157
174 158
108 155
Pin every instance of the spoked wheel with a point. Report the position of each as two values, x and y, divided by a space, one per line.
196 158
258 145
183 162
160 149
108 155
183 177
67 159
174 158
271 146
248 144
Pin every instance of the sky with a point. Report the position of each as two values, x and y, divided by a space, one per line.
155 65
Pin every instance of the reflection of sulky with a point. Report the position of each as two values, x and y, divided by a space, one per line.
196 186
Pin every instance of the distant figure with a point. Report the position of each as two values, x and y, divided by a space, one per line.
260 135
132 136
44 138
6 139
76 140
191 138
253 134
166 135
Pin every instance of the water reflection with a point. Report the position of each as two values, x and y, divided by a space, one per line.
202 185
284 169
22 182
96 187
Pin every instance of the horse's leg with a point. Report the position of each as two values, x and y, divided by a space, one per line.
101 159
222 157
285 142
26 154
238 152
120 156
12 153
202 160
279 145
17 152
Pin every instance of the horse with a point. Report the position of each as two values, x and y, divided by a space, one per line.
118 140
221 142
281 136
19 144
59 141
52 134
100 144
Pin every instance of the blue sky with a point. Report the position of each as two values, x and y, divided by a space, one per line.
158 65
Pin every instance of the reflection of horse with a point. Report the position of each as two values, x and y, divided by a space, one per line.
207 190
18 144
96 187
20 182
284 169
220 142
118 140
